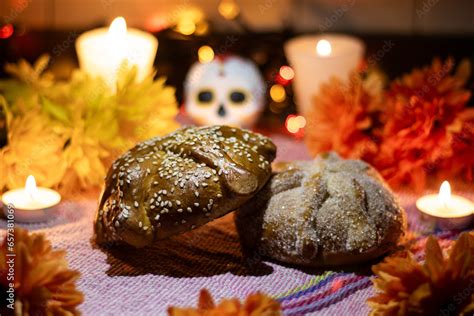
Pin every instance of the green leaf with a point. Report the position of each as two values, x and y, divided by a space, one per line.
57 111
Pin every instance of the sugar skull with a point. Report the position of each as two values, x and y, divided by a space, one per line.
227 91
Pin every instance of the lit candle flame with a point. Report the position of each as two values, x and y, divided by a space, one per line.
444 196
117 38
117 29
323 48
30 187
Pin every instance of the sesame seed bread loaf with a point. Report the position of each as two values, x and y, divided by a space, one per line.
168 185
328 211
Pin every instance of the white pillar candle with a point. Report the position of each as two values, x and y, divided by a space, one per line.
104 51
449 211
31 203
317 58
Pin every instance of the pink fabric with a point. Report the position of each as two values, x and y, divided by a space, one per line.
130 282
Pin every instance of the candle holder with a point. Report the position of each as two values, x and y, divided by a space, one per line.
447 211
30 204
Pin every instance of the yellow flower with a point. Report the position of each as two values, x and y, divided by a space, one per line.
34 147
66 133
85 160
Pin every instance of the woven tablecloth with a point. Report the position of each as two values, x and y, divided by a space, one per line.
126 281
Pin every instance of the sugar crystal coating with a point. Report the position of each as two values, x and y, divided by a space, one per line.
327 211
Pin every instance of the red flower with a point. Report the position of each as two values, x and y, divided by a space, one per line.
420 126
418 122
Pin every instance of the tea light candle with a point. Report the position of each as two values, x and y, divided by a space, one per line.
104 52
449 211
31 203
317 58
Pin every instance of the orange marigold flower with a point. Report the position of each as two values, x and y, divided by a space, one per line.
344 115
255 305
43 283
441 285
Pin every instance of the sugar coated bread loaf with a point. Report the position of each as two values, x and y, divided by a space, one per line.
329 211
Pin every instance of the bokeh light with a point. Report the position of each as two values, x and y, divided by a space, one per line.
6 31
229 9
205 54
278 93
188 20
186 27
287 73
156 23
295 123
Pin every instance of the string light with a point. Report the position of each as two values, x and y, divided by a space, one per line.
229 9
188 20
186 27
300 120
205 54
295 123
6 31
287 73
278 93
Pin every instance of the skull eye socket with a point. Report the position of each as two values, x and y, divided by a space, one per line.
238 97
205 97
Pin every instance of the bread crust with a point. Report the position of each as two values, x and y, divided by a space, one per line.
324 212
168 185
